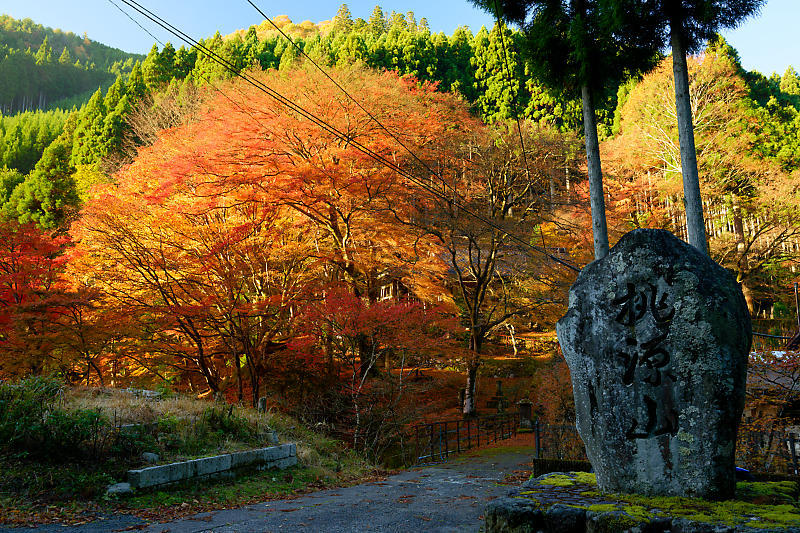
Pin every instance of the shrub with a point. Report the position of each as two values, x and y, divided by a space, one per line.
24 409
227 423
33 424
83 433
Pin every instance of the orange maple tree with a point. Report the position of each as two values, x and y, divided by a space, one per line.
217 235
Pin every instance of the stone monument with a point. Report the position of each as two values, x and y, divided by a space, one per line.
657 337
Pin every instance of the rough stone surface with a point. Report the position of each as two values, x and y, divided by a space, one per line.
656 338
150 457
119 489
565 519
513 515
562 502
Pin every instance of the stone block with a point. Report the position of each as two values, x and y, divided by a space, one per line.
564 519
151 476
119 489
272 457
657 338
513 515
275 453
211 465
286 462
246 458
150 457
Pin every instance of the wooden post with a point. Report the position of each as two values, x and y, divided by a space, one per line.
458 436
446 444
433 450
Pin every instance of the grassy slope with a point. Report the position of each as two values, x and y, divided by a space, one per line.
35 492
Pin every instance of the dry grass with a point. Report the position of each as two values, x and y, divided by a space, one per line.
129 406
124 406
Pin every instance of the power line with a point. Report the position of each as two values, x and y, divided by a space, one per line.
156 39
329 128
370 115
508 78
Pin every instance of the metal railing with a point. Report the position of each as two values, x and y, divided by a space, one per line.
437 441
557 442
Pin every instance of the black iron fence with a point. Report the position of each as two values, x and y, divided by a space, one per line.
437 441
557 442
763 452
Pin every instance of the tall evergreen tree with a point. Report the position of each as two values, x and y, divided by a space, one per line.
47 196
377 21
45 53
577 46
65 58
790 82
343 21
87 140
690 24
497 90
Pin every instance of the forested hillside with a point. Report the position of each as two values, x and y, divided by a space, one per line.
747 134
170 83
178 139
39 66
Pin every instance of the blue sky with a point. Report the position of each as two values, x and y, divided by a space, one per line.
767 43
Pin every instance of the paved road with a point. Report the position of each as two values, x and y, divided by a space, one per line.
442 498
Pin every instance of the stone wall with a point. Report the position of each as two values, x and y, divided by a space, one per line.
280 457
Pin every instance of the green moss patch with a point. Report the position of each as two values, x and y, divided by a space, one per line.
558 480
758 504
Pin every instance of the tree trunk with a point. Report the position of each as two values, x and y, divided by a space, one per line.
470 401
691 178
596 200
239 376
365 351
475 343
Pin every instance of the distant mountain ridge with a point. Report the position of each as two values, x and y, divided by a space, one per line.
39 65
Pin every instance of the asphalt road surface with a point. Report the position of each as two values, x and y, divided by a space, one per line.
440 498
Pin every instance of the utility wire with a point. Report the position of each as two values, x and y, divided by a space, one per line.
355 101
327 127
508 78
156 39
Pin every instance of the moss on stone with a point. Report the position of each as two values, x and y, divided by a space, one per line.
603 507
558 480
762 505
587 478
638 512
774 492
614 522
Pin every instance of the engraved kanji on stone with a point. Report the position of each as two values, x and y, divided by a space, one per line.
653 358
651 428
635 305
